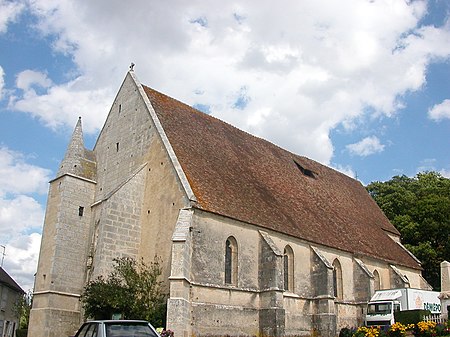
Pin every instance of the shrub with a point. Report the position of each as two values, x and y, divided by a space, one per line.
411 316
442 330
21 332
346 332
133 289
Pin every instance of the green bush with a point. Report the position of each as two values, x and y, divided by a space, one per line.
411 316
346 332
21 332
133 290
441 330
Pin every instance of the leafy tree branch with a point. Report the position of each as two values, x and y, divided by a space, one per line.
419 208
133 289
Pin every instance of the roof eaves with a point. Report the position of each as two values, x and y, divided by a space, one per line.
411 254
313 243
9 281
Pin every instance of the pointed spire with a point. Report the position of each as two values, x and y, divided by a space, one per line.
72 162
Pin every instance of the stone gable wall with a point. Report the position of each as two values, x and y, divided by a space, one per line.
124 140
141 209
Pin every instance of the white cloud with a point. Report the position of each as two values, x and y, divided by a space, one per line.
366 146
21 259
9 10
445 173
29 78
61 105
427 164
18 177
347 170
21 216
430 164
440 111
306 72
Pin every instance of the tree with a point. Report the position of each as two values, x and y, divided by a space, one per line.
22 309
419 208
132 289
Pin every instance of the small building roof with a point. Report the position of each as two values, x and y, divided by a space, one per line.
7 280
238 175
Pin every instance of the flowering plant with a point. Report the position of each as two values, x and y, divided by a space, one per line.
167 333
425 329
399 330
366 331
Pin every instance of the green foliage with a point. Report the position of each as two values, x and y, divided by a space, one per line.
425 329
419 208
22 309
411 316
21 332
346 332
132 289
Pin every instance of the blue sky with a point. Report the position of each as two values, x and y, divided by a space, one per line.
361 86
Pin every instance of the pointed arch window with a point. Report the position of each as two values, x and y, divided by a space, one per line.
377 280
288 266
231 261
337 279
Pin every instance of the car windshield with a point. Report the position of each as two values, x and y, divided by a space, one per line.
379 308
129 329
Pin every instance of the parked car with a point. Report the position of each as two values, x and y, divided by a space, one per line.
117 328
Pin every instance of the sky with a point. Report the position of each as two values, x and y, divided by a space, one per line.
359 85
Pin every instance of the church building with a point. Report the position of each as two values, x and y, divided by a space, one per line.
255 240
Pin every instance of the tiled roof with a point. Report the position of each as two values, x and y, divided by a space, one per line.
8 281
235 174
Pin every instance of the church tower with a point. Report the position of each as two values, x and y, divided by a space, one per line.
65 242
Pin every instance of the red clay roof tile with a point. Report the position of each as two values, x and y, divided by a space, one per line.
240 176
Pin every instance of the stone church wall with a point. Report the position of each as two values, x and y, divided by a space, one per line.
162 202
216 305
118 232
311 306
63 257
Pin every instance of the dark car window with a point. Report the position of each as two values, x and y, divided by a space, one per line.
92 331
82 331
129 329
